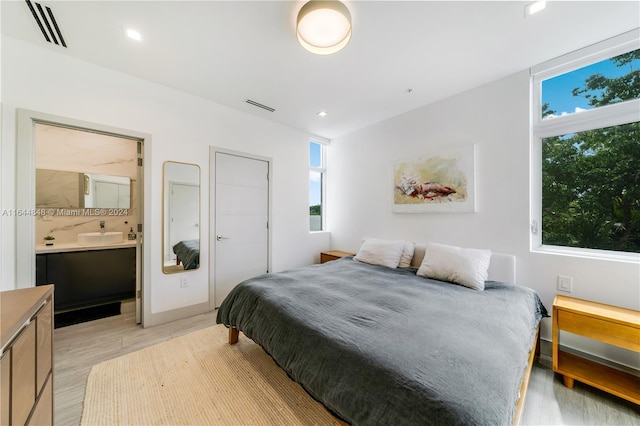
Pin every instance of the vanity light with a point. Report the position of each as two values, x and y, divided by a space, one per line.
133 34
323 27
322 114
534 7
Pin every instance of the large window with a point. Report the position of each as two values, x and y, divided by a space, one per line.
586 146
316 185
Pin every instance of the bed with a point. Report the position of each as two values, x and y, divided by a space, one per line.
187 252
380 345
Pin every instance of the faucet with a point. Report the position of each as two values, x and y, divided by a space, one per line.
102 227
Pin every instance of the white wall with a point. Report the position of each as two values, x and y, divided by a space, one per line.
495 117
182 127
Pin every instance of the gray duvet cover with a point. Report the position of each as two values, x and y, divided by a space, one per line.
385 347
188 252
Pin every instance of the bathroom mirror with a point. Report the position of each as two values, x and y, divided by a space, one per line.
181 217
74 190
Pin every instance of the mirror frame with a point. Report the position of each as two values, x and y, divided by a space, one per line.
165 217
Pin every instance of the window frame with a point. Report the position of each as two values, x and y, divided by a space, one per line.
323 180
597 118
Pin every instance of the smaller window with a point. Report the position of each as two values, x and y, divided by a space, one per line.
316 186
607 82
315 154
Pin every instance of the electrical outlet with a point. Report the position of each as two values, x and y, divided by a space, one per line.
184 282
565 283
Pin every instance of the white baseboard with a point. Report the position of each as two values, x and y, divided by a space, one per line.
176 314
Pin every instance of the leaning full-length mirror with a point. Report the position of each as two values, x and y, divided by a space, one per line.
181 217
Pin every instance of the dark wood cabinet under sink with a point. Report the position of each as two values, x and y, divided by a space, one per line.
88 278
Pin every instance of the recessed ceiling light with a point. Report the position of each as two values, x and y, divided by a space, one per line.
133 34
534 7
322 114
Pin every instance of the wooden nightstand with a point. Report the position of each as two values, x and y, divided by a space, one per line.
326 256
609 324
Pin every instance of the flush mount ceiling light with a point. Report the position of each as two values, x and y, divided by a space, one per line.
324 27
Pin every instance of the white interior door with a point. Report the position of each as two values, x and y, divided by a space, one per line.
110 194
241 235
106 194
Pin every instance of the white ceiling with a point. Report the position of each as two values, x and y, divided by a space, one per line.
228 51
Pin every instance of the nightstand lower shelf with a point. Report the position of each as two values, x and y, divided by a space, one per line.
599 376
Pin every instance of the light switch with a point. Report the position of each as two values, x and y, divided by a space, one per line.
565 283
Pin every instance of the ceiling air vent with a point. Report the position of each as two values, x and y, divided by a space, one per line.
259 105
47 23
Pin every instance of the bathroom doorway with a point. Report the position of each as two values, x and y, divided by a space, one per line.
86 192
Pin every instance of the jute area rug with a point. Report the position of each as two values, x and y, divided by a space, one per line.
198 379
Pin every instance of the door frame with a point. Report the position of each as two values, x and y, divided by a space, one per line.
213 150
25 197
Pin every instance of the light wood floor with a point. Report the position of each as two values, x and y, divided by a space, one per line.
79 347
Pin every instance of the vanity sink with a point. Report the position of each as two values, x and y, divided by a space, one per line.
97 238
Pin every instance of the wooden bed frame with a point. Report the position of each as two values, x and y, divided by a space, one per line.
517 418
502 269
535 351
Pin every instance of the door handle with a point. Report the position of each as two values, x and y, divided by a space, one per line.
220 238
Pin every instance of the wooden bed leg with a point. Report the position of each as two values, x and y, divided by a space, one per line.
568 381
233 335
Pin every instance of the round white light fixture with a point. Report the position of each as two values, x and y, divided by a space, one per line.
324 27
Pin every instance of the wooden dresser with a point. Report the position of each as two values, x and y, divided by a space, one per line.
609 324
26 342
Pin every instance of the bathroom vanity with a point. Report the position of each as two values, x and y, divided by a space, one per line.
86 276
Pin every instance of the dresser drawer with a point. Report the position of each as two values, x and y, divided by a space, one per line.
5 389
44 338
23 366
43 411
599 329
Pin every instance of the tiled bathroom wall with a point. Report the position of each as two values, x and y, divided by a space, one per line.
72 150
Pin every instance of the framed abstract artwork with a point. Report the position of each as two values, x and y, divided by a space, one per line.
443 181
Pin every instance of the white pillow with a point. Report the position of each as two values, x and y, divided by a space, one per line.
380 252
407 254
468 267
